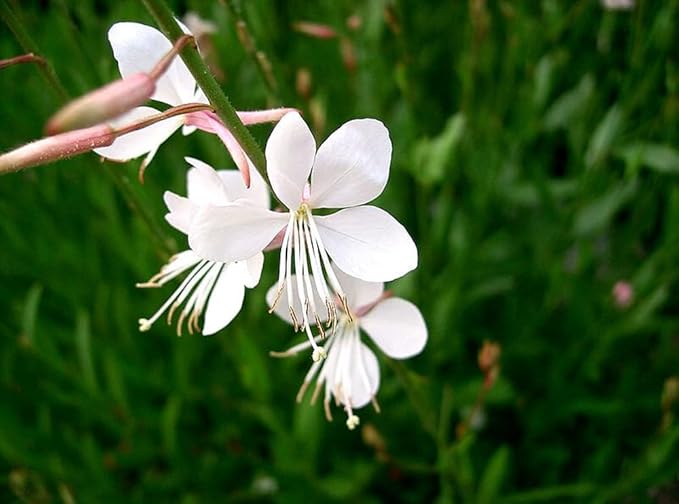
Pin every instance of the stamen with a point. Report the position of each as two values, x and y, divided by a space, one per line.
302 390
295 322
314 396
282 263
187 290
288 265
145 324
279 292
326 406
177 265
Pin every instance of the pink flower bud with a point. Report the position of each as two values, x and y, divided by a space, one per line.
103 104
57 147
314 30
623 294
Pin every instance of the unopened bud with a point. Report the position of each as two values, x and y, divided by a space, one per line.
57 147
103 104
623 294
348 54
315 30
489 356
303 82
114 99
263 116
354 22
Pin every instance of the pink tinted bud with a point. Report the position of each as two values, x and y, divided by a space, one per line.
623 294
103 104
315 30
354 22
264 116
57 147
348 54
303 82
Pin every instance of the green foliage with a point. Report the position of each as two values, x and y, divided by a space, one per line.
535 163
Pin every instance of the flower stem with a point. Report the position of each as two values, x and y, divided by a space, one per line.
163 16
13 22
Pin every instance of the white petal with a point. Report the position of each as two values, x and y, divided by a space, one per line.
397 327
180 213
187 129
137 143
234 232
368 243
251 270
364 386
282 306
226 300
359 292
257 194
290 154
352 165
204 185
138 48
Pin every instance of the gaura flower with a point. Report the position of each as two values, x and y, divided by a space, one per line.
351 373
218 288
349 169
138 48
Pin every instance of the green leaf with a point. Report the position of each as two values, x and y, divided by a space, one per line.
30 314
569 105
658 157
603 136
493 476
433 156
597 214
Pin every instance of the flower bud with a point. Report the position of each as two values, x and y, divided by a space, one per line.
315 30
623 294
57 147
103 104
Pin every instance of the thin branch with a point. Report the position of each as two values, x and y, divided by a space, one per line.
198 68
17 28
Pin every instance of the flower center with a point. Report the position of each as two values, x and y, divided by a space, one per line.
312 292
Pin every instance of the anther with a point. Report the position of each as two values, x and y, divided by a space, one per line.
318 354
319 324
279 293
295 321
144 325
352 422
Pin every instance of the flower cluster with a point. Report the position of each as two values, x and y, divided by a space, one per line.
336 250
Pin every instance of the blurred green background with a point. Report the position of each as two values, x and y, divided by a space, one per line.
535 164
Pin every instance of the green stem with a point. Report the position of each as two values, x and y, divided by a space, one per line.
14 24
166 21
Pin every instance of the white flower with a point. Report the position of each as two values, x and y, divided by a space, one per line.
138 48
217 288
350 168
351 373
